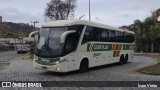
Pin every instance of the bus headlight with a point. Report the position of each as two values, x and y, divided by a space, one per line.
57 69
58 62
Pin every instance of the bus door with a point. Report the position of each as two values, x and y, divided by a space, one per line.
70 48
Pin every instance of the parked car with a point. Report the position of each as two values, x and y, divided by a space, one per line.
23 50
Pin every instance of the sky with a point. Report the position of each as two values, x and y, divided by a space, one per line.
111 12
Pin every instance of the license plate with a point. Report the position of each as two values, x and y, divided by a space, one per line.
44 67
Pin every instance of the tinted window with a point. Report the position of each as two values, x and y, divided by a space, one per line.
73 39
106 35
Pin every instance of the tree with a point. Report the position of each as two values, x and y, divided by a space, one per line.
152 36
147 31
148 23
139 32
60 9
10 34
133 28
155 16
153 33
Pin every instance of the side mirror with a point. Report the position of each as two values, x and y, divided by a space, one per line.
63 36
32 33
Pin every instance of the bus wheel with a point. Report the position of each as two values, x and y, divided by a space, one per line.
126 58
121 60
83 66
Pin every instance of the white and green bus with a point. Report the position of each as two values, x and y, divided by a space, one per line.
69 45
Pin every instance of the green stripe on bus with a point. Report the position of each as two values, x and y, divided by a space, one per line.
99 47
49 59
88 46
128 47
107 47
124 47
117 46
53 59
114 53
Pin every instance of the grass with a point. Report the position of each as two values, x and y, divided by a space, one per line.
152 70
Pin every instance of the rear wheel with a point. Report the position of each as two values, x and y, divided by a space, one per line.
126 58
83 66
121 60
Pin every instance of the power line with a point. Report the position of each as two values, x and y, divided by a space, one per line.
34 24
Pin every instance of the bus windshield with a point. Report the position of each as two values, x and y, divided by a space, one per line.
49 42
49 45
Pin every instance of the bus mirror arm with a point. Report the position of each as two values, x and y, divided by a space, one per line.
64 35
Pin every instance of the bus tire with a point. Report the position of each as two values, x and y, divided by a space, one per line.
83 66
126 58
121 60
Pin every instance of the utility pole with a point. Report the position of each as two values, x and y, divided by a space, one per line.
34 24
89 10
0 26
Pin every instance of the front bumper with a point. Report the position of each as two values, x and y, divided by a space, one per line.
54 68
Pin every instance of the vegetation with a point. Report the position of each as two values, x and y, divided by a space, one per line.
153 70
147 33
60 9
6 48
14 30
32 49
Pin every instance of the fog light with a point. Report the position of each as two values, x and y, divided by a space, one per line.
57 62
57 69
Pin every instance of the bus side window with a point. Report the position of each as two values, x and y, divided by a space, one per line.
112 38
116 36
97 34
125 38
132 38
103 35
71 43
107 35
88 35
121 36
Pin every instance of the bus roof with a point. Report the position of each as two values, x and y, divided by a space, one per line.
81 22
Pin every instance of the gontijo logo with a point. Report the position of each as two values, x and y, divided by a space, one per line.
116 48
98 47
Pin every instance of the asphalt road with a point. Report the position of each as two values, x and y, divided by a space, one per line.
9 55
23 70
